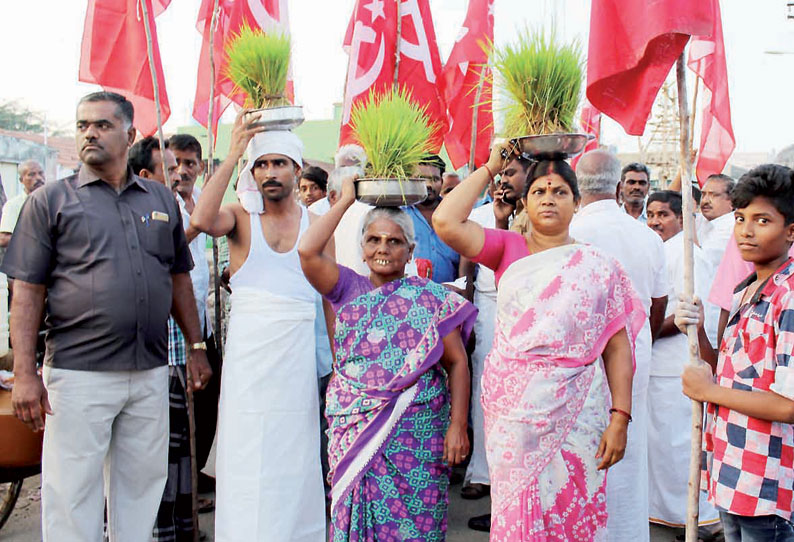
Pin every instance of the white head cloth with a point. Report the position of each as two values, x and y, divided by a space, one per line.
271 142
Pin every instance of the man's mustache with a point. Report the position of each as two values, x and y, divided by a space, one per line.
267 184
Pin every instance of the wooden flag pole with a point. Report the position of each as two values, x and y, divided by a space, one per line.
692 116
474 114
396 84
188 384
156 87
689 287
218 334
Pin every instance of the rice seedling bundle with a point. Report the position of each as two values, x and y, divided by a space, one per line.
258 65
394 131
543 78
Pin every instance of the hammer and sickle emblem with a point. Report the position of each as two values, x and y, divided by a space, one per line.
417 51
357 85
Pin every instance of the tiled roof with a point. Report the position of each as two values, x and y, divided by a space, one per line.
67 150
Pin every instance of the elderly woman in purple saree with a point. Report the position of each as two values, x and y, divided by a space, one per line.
397 403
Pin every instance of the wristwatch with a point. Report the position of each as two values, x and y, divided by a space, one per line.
198 346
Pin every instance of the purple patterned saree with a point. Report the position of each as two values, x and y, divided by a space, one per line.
388 408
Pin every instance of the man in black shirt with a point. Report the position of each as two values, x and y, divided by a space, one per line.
107 250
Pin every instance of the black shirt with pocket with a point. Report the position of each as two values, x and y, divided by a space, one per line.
106 259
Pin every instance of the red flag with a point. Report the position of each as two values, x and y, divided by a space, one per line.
461 77
370 41
591 124
113 55
632 47
232 15
707 60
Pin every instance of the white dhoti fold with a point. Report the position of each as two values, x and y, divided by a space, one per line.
627 480
477 471
670 423
269 480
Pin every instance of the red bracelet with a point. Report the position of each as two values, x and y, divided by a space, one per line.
489 172
613 410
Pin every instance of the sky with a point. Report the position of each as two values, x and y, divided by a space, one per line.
40 60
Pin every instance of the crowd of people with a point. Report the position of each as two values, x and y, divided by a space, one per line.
527 322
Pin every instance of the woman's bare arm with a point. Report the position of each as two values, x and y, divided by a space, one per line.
318 265
619 373
455 362
451 219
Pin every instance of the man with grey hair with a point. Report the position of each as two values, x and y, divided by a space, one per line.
31 175
350 160
350 155
603 224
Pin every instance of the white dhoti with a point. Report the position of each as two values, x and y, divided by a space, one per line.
269 480
670 417
477 471
627 480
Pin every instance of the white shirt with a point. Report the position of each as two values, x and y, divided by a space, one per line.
11 211
200 274
347 238
485 282
320 207
643 215
714 237
670 354
641 253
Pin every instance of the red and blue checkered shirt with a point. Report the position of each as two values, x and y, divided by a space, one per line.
749 463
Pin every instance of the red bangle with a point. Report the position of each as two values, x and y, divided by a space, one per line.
489 172
613 410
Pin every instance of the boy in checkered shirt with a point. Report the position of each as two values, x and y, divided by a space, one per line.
748 438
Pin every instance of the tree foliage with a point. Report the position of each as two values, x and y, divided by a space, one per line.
14 116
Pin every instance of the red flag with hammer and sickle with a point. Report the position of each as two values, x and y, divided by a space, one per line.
371 42
462 75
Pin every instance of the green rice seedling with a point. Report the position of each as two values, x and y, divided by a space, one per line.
394 131
543 78
258 64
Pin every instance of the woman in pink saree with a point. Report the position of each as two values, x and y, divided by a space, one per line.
556 389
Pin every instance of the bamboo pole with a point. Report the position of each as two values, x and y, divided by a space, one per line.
694 357
396 84
693 115
188 385
156 87
474 115
210 169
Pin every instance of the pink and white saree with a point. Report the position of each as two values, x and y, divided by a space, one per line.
545 395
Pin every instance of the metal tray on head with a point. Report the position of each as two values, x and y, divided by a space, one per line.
391 192
277 118
551 146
